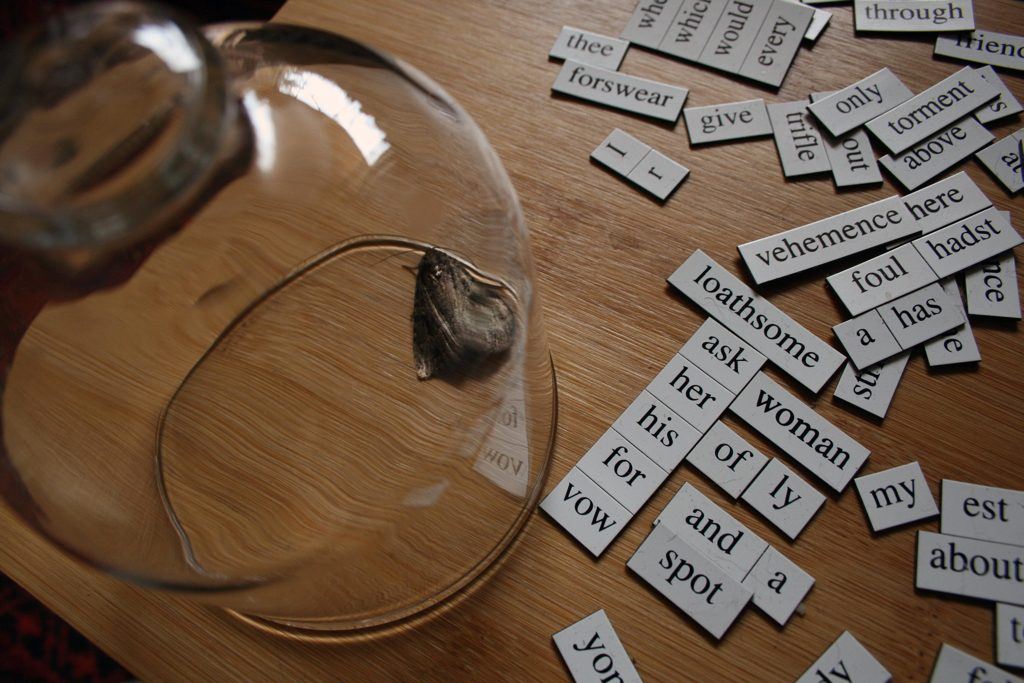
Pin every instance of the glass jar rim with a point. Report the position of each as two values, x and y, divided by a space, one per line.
139 207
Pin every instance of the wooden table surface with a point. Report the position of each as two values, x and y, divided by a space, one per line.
603 251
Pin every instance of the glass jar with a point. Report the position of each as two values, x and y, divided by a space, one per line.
279 345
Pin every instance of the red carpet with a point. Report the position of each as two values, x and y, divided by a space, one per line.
37 645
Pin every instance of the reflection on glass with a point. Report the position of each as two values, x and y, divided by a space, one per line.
330 100
169 43
261 118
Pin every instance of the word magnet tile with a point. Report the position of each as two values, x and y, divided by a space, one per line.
970 568
902 16
650 21
923 161
755 320
855 105
983 512
956 665
589 48
617 90
850 155
582 508
640 164
658 431
960 245
723 539
734 34
896 496
725 357
1001 107
829 239
886 277
620 151
958 346
778 584
622 470
727 459
821 447
1003 160
798 140
928 112
732 121
777 42
872 389
921 315
690 27
690 393
986 47
504 459
846 660
991 287
818 23
689 580
593 652
945 202
866 339
783 498
1010 635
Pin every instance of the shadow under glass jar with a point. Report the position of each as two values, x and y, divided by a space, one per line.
291 359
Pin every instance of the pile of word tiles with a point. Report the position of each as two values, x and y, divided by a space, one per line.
942 252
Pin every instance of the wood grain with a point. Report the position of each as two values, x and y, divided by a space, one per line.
602 250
